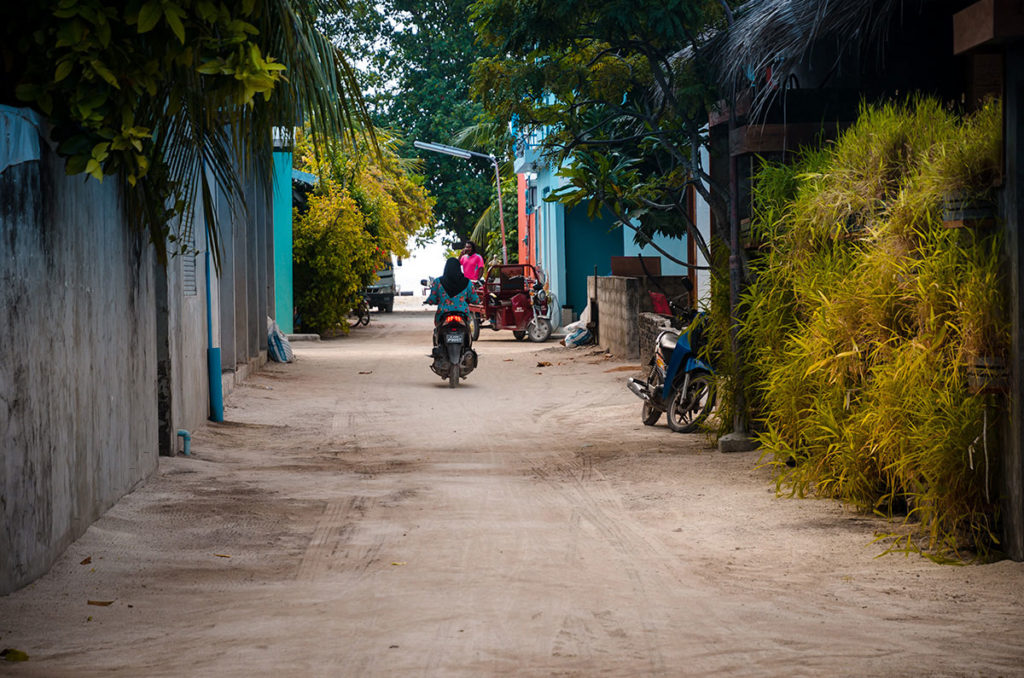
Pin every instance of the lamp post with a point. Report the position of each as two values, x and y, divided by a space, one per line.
466 155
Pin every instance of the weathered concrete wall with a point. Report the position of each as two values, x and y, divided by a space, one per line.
188 385
245 283
621 301
618 303
649 326
78 395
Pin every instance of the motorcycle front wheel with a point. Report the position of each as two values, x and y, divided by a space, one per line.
538 329
687 411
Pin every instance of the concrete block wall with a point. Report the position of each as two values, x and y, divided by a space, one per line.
618 303
649 326
78 380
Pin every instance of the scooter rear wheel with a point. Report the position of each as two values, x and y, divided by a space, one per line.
687 411
453 375
650 414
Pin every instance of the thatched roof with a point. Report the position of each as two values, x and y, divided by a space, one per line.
779 34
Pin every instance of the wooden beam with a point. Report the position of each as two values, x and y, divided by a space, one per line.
1012 463
768 138
987 23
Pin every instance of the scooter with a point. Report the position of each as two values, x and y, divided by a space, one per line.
453 353
679 383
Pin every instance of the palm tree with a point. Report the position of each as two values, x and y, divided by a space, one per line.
180 99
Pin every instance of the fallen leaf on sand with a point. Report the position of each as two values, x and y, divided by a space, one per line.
12 655
221 555
507 360
101 603
624 368
367 372
86 561
398 563
543 363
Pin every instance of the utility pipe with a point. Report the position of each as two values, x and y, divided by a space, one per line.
186 437
212 352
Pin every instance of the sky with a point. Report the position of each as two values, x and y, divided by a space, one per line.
424 262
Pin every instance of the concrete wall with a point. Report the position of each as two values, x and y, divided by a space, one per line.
624 320
245 283
649 326
618 304
185 382
78 394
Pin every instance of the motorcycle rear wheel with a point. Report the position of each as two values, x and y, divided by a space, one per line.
687 411
650 414
453 375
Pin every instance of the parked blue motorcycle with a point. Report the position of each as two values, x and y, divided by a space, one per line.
679 383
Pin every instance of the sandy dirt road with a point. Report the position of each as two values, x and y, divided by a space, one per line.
356 517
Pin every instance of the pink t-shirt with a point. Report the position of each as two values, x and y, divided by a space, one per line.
472 266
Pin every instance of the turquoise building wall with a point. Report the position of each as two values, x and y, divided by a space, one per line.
591 244
283 289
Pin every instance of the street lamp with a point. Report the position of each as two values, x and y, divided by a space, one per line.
466 155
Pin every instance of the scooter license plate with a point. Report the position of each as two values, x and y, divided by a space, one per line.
453 338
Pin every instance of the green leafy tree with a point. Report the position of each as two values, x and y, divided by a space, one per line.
334 255
415 60
165 94
367 205
621 89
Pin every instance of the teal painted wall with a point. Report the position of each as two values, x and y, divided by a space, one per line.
283 290
588 243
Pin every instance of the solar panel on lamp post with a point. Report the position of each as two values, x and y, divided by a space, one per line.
466 155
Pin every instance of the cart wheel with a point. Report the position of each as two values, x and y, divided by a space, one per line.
474 326
519 334
538 329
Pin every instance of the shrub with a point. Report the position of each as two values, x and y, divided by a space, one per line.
859 321
333 256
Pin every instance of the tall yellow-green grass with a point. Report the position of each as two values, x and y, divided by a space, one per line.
861 316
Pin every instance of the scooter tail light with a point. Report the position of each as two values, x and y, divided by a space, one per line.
454 318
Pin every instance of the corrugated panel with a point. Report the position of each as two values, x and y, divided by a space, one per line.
189 283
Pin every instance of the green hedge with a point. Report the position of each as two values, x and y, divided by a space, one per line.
863 315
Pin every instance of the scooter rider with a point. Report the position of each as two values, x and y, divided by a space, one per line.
452 293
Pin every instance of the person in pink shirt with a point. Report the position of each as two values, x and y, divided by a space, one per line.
472 263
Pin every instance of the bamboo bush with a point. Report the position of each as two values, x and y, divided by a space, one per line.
860 318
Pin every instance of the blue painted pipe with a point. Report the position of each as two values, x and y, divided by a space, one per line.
187 438
212 352
216 390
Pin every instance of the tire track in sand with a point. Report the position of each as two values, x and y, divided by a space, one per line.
331 543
